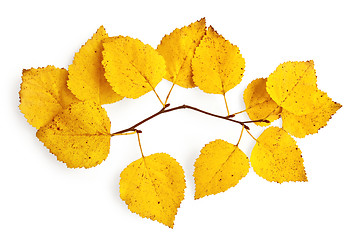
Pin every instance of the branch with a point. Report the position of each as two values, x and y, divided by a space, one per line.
207 113
133 128
165 110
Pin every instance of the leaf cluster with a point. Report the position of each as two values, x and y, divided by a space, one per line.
65 106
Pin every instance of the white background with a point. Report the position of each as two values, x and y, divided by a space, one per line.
42 199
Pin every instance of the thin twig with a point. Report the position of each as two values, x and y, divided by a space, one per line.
165 110
207 113
133 128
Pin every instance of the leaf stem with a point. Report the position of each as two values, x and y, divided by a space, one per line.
251 136
225 101
140 145
234 114
240 136
166 100
126 133
259 120
158 97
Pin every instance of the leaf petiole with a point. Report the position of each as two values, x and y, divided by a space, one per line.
234 114
166 100
158 97
240 136
140 145
126 133
225 101
251 135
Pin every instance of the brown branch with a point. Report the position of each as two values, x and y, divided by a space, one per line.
165 110
133 128
207 113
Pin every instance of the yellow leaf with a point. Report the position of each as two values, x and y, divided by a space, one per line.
293 86
217 64
131 67
302 125
219 167
178 49
276 157
79 136
86 73
259 104
44 94
153 187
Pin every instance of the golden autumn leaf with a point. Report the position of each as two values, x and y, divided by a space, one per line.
277 158
86 73
131 67
217 65
259 104
153 187
302 125
178 49
79 135
219 167
293 87
44 94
